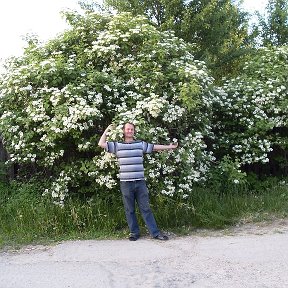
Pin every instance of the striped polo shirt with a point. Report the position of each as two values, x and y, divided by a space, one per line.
130 158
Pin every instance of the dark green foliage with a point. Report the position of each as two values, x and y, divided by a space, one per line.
217 29
272 27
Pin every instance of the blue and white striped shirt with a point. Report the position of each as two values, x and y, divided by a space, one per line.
130 158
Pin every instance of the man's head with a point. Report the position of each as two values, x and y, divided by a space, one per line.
128 130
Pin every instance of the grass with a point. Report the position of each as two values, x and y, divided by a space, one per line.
28 218
210 210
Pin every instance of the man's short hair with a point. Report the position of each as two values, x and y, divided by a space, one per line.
128 123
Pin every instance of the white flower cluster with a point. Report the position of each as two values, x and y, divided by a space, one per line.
106 180
183 167
173 113
154 133
169 188
51 157
193 146
59 188
84 146
252 106
154 104
36 111
254 150
104 162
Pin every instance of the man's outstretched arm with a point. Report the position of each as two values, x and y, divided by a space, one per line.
103 139
158 147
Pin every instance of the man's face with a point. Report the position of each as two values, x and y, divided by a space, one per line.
129 130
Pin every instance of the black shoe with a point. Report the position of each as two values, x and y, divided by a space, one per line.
133 238
161 237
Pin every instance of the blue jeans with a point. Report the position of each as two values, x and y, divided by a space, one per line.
137 191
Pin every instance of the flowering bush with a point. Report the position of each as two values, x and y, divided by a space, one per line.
251 111
57 99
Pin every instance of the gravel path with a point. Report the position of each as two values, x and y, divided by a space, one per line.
248 256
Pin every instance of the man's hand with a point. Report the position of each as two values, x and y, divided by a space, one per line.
110 127
173 146
102 142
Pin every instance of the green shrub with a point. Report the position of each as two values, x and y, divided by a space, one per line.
58 98
250 111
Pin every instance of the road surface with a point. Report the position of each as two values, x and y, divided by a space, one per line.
248 256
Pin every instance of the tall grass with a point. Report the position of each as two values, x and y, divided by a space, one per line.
28 217
210 208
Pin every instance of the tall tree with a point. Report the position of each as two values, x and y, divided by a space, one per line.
159 11
218 28
274 27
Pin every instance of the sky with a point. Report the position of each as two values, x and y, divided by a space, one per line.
42 18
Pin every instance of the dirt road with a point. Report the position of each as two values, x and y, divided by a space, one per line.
249 256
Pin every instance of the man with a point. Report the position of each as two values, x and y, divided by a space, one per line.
132 181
